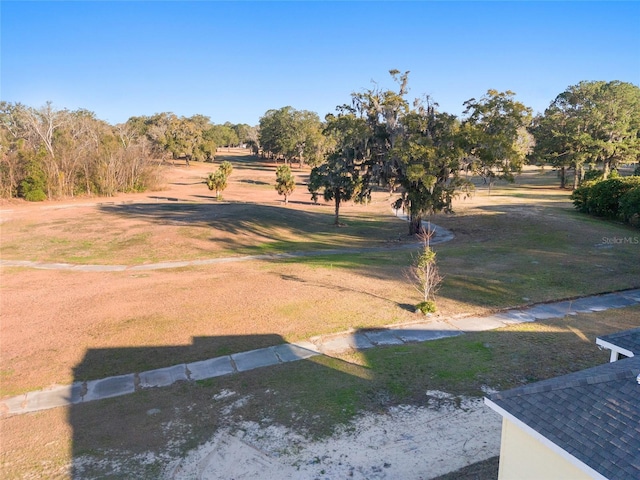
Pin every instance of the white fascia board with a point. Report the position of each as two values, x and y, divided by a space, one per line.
614 348
545 441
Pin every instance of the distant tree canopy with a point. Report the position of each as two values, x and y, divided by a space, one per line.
589 124
292 134
494 135
191 138
379 139
47 153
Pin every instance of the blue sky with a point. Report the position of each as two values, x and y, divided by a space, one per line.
232 61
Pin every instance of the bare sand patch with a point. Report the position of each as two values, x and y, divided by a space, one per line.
406 442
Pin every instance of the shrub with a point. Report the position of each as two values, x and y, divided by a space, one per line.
35 195
32 189
604 196
591 175
427 307
617 198
630 206
580 196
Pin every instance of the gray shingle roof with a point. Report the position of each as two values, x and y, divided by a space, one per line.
629 340
592 414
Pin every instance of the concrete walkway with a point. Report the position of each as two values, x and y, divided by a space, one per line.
432 328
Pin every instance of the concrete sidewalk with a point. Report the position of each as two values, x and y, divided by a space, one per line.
432 328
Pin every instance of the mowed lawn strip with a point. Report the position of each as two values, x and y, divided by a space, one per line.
312 397
509 259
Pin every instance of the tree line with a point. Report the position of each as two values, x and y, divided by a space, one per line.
48 153
380 138
589 124
383 139
292 135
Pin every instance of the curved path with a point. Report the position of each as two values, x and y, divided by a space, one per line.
440 235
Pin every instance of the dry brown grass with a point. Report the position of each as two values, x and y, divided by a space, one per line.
522 241
521 244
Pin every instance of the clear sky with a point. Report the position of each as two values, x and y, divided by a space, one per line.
232 61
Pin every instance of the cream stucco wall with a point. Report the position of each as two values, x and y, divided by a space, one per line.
523 457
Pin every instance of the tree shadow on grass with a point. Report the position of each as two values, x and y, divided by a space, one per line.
254 182
299 202
206 197
343 288
407 306
246 218
257 225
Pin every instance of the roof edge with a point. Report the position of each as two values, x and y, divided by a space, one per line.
545 385
545 441
614 348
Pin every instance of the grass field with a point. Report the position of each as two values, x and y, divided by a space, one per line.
522 244
311 397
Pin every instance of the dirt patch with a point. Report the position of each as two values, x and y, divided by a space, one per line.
405 442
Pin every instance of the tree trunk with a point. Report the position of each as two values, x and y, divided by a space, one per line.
606 168
563 177
337 203
415 225
577 176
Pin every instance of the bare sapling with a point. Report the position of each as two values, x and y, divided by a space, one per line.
424 274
